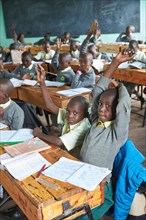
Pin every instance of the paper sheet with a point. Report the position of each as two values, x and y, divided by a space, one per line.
25 166
72 92
80 174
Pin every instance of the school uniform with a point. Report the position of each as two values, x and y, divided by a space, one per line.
140 56
86 80
72 135
102 143
21 70
75 54
4 74
43 55
65 75
13 115
125 38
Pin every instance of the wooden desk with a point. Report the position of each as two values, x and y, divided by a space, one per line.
109 48
33 95
137 76
14 94
39 202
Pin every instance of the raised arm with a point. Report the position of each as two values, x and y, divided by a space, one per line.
48 101
14 33
55 59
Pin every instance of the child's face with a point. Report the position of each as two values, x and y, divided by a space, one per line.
3 96
26 61
47 48
93 51
75 112
85 64
63 63
74 46
106 107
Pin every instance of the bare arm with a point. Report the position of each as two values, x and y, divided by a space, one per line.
48 101
50 139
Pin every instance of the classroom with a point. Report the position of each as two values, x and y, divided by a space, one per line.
72 109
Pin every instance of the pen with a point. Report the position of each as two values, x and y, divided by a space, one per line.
41 170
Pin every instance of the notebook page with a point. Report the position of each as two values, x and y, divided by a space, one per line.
5 135
26 166
23 134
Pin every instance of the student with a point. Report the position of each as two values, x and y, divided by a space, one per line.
45 54
139 55
20 38
26 70
13 46
85 77
127 35
66 38
92 48
74 120
61 62
43 40
110 116
11 114
74 49
4 74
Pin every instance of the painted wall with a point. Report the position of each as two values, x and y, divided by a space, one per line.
106 38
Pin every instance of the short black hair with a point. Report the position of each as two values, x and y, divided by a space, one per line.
66 55
27 53
83 101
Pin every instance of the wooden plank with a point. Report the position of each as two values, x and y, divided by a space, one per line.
137 76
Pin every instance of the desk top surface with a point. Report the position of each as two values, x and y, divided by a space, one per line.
38 201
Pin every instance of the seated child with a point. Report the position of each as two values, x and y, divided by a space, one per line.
4 74
45 54
139 55
26 70
61 62
127 35
11 114
13 46
20 38
66 38
110 115
74 120
74 49
85 77
92 48
42 41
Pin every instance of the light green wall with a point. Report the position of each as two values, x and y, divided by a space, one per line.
106 38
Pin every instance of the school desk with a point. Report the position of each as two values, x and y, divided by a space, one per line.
137 76
109 48
33 95
35 49
40 202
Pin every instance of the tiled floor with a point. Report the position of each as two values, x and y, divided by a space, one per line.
137 134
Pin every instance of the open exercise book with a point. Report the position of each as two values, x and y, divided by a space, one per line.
135 64
18 82
80 174
72 92
22 167
32 145
8 136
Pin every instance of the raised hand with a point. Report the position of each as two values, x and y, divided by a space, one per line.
125 55
41 75
93 27
58 43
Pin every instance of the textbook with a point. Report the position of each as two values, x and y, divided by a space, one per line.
72 92
84 175
18 82
22 167
33 145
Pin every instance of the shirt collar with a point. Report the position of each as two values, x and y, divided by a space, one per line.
104 124
66 69
5 105
29 68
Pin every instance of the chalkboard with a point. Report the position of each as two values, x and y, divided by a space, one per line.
38 17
